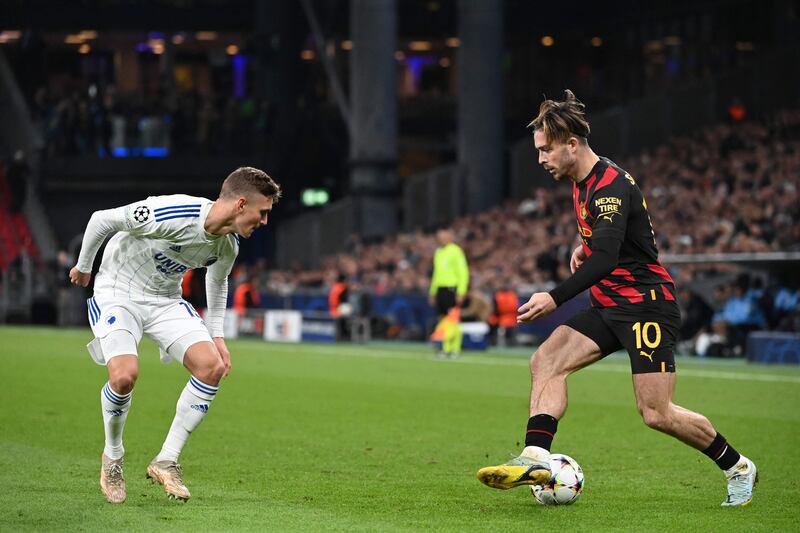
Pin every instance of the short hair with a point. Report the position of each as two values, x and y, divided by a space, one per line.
247 180
560 120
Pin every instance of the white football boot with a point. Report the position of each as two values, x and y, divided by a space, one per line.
742 479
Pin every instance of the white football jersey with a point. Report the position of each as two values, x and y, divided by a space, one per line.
157 241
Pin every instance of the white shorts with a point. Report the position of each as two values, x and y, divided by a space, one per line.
173 325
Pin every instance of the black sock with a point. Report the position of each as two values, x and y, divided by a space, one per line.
722 453
541 429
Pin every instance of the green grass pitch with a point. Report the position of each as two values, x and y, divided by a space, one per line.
380 437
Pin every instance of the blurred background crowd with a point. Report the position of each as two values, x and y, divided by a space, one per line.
694 100
729 188
80 120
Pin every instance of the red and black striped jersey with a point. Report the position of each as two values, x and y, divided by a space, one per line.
608 203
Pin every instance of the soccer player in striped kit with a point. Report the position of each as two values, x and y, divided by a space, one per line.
633 307
138 291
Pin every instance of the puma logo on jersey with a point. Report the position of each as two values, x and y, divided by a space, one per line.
167 266
648 355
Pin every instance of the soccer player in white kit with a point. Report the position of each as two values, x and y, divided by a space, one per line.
138 291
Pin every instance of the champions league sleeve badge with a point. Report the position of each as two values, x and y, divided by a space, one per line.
141 213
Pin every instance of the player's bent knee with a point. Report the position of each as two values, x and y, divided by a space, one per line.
203 360
122 384
123 367
211 374
654 419
217 371
123 378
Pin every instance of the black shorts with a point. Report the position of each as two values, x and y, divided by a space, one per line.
445 299
648 331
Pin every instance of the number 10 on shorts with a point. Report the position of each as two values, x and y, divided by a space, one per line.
649 332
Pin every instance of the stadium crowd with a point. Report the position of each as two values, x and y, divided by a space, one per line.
77 118
728 188
724 189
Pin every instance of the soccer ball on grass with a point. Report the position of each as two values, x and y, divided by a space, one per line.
565 485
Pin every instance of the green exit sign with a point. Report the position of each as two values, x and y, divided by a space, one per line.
312 197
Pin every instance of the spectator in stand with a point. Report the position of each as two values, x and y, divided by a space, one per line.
246 295
339 306
476 307
696 314
741 314
780 303
337 297
77 117
504 318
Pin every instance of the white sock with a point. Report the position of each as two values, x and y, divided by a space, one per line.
192 407
536 453
115 412
742 465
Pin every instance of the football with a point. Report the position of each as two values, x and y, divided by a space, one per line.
566 483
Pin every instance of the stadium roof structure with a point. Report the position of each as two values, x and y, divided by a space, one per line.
416 18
